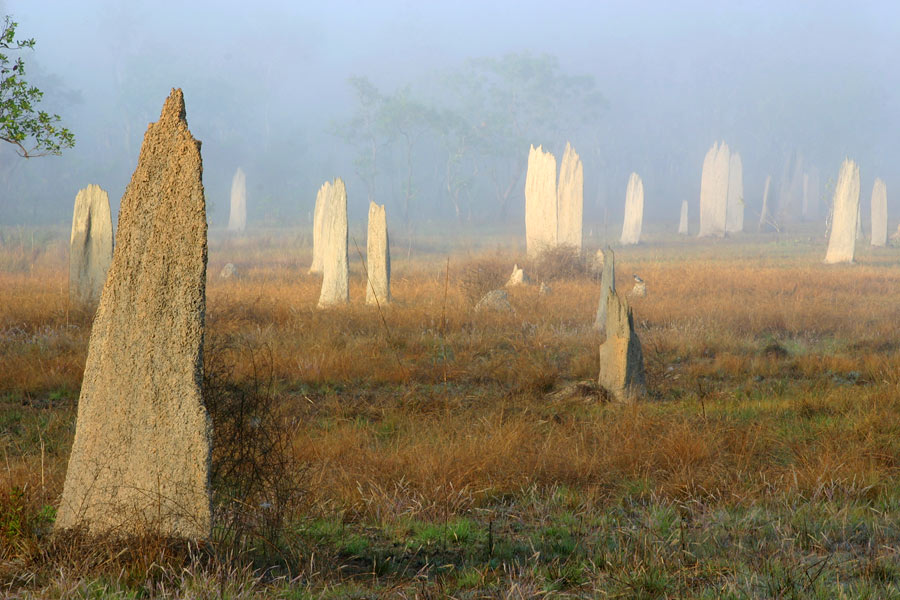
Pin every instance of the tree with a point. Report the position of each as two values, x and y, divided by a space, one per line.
404 119
457 137
491 109
470 127
519 100
34 132
363 130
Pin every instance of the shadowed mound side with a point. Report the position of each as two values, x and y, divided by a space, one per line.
621 357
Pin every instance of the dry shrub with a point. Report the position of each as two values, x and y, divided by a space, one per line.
561 262
480 276
255 482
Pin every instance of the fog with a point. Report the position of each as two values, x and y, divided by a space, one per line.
457 93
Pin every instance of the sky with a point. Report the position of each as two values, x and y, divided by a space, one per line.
266 82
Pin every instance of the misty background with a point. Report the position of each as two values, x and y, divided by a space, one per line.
430 108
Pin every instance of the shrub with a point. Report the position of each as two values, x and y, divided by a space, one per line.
255 482
562 262
480 276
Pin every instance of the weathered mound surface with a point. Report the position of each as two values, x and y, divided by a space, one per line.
570 200
634 210
621 357
378 257
540 202
140 459
845 215
333 236
318 220
90 246
237 218
497 300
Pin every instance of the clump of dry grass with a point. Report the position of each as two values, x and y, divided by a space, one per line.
561 263
479 276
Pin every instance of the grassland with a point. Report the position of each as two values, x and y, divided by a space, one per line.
429 451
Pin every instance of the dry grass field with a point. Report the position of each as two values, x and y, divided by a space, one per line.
428 451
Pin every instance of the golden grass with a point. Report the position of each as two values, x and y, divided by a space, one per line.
770 375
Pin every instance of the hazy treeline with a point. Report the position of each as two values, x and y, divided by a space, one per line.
453 143
431 109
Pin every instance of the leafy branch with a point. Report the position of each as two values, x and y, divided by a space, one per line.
34 132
